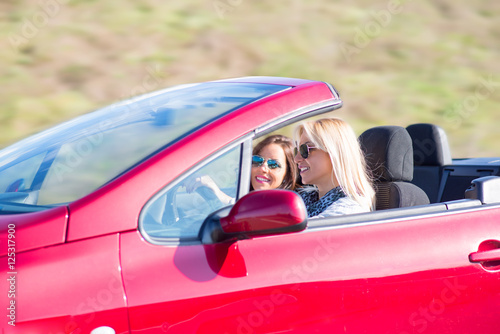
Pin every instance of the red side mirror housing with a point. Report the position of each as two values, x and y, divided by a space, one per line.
260 212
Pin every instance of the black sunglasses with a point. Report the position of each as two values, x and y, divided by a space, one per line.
257 161
304 150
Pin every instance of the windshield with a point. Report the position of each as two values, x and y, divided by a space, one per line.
73 159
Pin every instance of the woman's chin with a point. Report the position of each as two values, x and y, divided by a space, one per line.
260 186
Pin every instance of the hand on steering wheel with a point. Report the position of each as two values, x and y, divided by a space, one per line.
209 190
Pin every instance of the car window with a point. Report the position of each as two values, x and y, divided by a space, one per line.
178 211
83 154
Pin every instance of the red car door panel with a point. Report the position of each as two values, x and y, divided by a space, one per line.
394 277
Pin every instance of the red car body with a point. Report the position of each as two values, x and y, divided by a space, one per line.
88 265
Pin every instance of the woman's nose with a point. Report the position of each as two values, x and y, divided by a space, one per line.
297 157
264 166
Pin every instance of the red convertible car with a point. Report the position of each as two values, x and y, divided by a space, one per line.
99 235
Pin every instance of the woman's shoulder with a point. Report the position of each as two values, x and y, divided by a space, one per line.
342 206
351 205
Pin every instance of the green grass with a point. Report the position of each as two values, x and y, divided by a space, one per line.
425 60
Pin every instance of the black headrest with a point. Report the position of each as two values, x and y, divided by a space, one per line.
389 153
430 145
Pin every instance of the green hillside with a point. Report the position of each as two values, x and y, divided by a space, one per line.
394 62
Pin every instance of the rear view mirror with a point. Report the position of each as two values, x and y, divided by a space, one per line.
259 213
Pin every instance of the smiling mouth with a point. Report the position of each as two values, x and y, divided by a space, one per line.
304 169
261 179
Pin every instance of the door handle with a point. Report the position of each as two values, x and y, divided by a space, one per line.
484 256
487 255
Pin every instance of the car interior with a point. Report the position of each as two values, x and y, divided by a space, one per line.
389 155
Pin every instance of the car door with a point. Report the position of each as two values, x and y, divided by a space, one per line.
409 274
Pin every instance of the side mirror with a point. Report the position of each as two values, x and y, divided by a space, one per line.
259 213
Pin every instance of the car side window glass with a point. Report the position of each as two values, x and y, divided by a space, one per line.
178 211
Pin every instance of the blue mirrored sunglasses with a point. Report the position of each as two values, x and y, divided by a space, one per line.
257 161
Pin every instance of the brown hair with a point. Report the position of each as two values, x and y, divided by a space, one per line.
291 181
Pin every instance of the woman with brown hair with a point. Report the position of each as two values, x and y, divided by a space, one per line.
273 166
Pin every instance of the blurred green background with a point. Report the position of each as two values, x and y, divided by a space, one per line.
393 62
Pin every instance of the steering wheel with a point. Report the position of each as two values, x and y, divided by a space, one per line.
209 196
172 214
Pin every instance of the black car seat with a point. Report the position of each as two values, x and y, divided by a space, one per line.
389 155
431 152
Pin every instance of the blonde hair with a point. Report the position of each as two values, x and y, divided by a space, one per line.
337 138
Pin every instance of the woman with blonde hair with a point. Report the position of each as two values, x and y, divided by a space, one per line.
330 160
